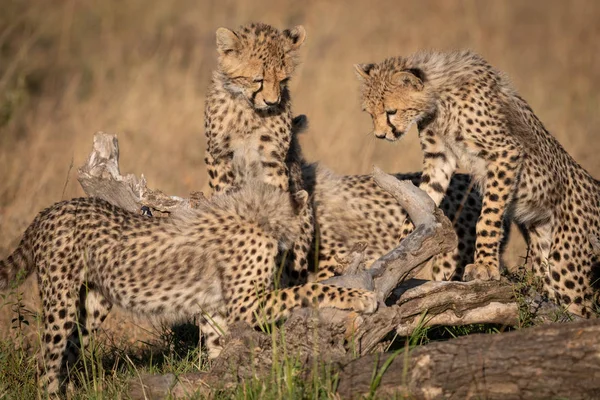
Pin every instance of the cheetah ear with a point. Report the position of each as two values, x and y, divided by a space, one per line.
227 41
363 70
411 78
299 124
295 36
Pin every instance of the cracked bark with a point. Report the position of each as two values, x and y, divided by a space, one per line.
551 361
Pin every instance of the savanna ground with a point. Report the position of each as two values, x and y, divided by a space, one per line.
140 69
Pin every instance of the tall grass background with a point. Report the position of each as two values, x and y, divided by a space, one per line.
140 69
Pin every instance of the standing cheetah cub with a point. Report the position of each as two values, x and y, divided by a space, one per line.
467 113
216 261
248 107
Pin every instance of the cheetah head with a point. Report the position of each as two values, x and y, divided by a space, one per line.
257 61
395 98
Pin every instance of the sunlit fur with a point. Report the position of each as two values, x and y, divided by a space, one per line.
257 61
216 263
243 115
469 115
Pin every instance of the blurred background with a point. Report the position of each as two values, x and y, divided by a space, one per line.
140 68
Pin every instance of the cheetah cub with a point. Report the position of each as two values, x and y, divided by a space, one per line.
248 106
353 209
467 113
216 261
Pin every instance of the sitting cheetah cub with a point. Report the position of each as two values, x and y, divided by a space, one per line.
216 261
248 106
467 113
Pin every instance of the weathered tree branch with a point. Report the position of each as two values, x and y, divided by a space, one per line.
100 177
441 304
433 234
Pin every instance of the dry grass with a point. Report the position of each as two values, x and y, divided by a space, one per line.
140 69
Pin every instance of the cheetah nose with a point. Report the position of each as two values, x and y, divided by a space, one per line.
271 104
398 134
379 135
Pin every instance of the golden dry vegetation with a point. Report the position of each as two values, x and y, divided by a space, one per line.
140 69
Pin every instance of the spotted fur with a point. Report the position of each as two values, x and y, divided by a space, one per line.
467 113
216 261
353 209
248 107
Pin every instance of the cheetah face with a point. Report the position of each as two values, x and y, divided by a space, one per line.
257 62
394 99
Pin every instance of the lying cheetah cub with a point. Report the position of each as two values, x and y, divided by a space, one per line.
467 113
216 261
353 209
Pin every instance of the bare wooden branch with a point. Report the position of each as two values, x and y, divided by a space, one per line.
433 234
418 205
100 177
547 362
441 304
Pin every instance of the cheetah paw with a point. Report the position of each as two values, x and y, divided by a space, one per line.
484 272
301 198
365 303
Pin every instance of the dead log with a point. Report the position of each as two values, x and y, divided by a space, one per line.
551 361
505 365
441 304
433 234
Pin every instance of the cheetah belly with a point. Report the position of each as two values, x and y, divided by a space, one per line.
470 161
173 296
533 204
249 142
527 212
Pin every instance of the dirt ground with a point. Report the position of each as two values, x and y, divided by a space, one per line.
140 69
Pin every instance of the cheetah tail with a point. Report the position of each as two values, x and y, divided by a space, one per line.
17 266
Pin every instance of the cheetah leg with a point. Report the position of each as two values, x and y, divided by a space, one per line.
447 266
298 265
275 171
498 192
328 268
213 327
570 273
220 173
328 246
278 304
439 165
91 316
60 317
539 241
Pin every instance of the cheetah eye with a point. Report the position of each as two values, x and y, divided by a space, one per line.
284 81
258 80
391 112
